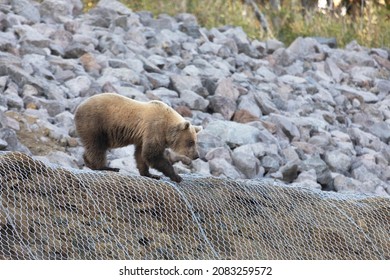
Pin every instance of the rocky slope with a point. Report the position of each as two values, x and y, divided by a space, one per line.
305 114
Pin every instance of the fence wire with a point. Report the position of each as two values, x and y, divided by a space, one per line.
48 212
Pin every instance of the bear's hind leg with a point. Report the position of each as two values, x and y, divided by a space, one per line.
95 158
143 168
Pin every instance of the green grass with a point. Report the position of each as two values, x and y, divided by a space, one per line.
371 29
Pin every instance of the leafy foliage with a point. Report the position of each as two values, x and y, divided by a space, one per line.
369 28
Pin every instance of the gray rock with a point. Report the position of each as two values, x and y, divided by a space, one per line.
30 37
220 152
194 100
122 74
338 161
116 6
9 135
270 164
383 85
26 9
246 163
56 10
208 141
248 102
290 154
303 47
272 45
75 50
223 105
158 80
233 134
180 83
290 79
308 179
266 74
322 140
164 94
227 89
286 126
367 97
78 85
21 77
264 102
330 42
257 150
220 167
209 47
380 130
322 170
345 184
201 167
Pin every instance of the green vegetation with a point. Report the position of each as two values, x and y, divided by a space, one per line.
369 28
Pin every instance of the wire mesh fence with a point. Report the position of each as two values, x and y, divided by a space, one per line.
48 212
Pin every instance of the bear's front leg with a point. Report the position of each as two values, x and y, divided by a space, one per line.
164 166
153 155
143 168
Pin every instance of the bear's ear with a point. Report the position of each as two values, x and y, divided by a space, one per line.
184 125
198 128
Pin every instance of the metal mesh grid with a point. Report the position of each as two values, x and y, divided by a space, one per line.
49 212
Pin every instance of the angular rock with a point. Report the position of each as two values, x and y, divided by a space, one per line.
308 179
9 135
345 184
248 103
303 47
220 152
323 174
116 6
246 163
78 85
158 80
338 161
227 89
289 171
270 164
286 126
367 97
207 141
26 9
272 45
233 134
56 10
193 100
223 105
220 167
380 130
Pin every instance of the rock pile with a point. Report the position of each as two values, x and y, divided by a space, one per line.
305 114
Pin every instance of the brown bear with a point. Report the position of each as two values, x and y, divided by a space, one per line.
109 120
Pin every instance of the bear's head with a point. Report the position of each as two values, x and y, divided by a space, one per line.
183 139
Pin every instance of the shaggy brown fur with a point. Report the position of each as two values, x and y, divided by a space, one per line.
109 120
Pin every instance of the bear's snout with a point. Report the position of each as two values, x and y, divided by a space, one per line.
196 155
